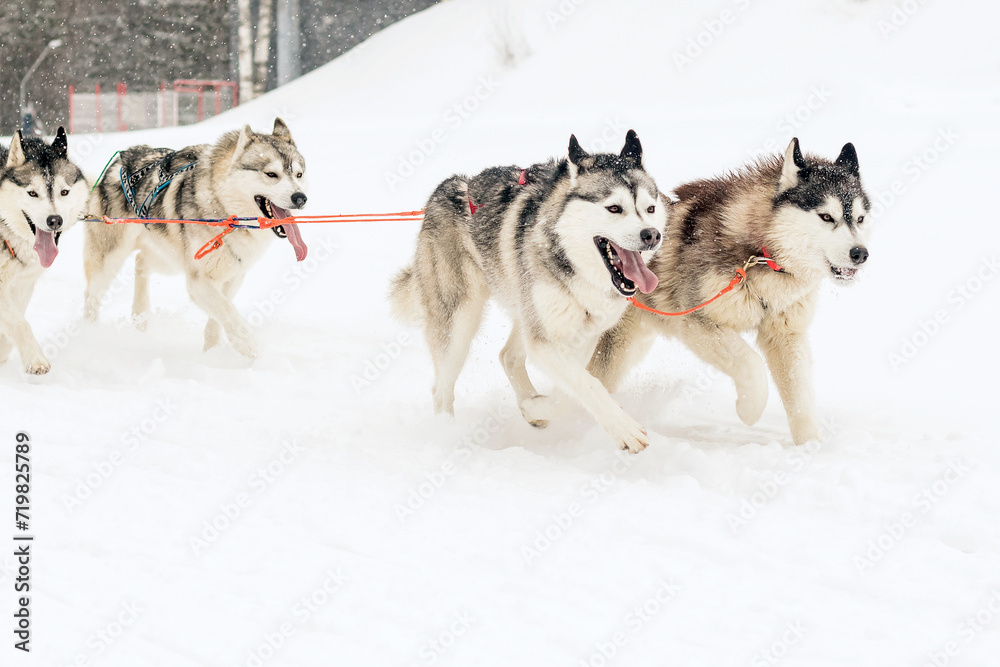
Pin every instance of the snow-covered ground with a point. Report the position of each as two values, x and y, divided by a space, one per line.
308 508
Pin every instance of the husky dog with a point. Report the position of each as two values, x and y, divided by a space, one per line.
559 245
42 194
805 218
245 174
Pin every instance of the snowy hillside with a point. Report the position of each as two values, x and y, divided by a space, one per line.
307 509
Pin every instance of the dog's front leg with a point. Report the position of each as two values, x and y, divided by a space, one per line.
17 329
569 372
206 294
783 339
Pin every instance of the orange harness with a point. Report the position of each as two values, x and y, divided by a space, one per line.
741 275
232 223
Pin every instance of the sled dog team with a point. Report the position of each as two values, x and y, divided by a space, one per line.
563 246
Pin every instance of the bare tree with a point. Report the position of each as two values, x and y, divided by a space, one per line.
245 37
262 47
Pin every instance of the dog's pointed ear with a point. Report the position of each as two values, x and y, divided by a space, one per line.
632 152
61 143
790 167
848 159
576 155
15 158
281 131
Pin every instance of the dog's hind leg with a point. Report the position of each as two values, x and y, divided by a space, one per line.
726 350
210 298
5 347
450 335
533 407
782 338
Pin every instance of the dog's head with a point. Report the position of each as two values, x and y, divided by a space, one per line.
613 220
42 193
823 210
268 171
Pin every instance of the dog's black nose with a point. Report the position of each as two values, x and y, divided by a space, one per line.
650 236
298 200
54 222
859 255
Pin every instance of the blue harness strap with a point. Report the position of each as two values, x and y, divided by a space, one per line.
129 182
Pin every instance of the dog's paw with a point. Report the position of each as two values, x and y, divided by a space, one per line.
140 322
246 346
629 434
750 406
538 410
40 367
804 429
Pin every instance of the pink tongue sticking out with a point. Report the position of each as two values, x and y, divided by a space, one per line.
292 232
636 270
45 246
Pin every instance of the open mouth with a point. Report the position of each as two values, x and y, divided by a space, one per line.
288 231
46 243
843 273
628 271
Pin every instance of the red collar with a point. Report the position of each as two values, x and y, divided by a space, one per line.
10 248
771 264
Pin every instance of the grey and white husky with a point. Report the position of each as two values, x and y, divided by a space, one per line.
559 245
245 174
809 215
42 193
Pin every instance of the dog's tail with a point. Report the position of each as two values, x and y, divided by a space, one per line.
404 297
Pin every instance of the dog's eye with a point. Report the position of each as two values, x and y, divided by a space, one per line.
651 209
826 217
614 208
298 175
32 193
861 219
270 174
64 192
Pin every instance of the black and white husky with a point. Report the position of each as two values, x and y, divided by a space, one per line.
559 245
809 215
42 193
245 173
